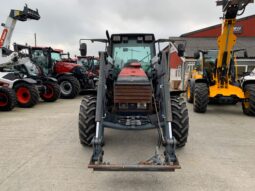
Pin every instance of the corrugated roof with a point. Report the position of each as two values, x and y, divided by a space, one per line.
213 27
195 44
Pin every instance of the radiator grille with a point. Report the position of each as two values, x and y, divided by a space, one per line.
132 93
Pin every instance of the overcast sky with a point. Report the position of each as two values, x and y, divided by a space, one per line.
64 22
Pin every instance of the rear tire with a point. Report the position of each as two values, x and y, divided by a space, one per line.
69 86
189 94
27 95
249 106
7 99
180 123
200 101
52 92
87 124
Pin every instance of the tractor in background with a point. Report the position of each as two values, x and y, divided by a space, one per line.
25 88
50 90
91 65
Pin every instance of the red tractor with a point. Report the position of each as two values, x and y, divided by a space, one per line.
91 65
71 77
133 94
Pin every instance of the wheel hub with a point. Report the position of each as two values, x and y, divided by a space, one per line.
66 87
49 92
23 95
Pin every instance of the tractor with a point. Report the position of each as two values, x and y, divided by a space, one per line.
133 94
66 73
215 76
91 65
25 88
71 77
50 90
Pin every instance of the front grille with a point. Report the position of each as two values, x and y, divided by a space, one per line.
133 120
132 93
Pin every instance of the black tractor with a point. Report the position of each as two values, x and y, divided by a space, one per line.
133 94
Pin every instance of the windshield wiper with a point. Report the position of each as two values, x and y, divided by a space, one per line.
145 57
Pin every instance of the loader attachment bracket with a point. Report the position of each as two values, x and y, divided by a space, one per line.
27 13
155 163
135 167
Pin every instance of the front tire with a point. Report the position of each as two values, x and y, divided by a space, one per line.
27 95
52 92
180 123
7 99
200 101
249 105
69 86
87 124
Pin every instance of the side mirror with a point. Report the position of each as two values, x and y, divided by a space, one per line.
83 49
181 50
196 55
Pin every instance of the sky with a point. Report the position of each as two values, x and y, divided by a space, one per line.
64 22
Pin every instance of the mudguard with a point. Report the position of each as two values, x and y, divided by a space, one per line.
26 80
51 79
64 74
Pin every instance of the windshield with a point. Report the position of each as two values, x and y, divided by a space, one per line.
40 59
211 56
55 56
88 63
126 52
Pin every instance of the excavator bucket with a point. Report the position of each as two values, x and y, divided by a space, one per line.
27 13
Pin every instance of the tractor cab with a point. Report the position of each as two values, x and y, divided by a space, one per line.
128 49
206 65
50 60
90 63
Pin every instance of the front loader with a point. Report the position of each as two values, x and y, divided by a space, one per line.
25 88
133 94
215 76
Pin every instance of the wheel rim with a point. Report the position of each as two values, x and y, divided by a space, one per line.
23 95
246 103
49 91
66 87
3 99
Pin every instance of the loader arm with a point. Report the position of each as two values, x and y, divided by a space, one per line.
227 39
7 59
9 25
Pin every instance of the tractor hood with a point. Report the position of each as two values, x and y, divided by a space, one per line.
132 72
63 67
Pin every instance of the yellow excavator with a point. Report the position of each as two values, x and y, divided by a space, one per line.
215 75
